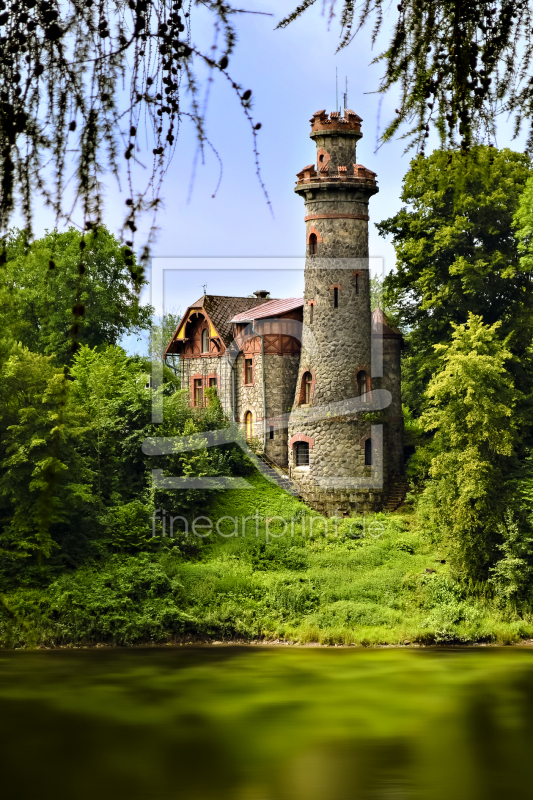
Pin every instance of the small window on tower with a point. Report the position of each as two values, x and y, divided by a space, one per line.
313 244
357 284
335 297
368 453
271 431
321 158
302 454
205 341
311 313
362 385
307 383
248 370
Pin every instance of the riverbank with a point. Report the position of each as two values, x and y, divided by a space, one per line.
262 567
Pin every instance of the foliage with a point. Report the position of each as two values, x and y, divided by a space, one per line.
456 65
162 330
44 482
54 296
127 600
511 576
81 85
471 405
457 253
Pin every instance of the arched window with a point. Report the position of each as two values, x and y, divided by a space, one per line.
362 385
205 341
302 454
307 385
321 158
368 453
313 244
249 420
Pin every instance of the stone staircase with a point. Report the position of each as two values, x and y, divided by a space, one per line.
276 474
398 489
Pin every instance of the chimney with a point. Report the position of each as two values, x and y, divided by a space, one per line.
261 294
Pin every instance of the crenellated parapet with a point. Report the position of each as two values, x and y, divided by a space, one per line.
321 121
356 175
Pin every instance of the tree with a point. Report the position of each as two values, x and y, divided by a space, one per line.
161 331
456 65
55 296
457 253
472 403
45 485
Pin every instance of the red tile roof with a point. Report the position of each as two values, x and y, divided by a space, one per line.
272 308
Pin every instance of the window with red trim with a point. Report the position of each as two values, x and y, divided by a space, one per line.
248 370
198 392
302 454
313 244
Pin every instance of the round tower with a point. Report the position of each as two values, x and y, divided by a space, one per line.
332 455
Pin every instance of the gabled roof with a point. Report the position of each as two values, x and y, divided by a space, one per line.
271 308
219 309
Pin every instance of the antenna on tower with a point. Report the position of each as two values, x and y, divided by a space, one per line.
346 95
336 91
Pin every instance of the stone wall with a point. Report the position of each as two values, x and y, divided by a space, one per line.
340 148
280 381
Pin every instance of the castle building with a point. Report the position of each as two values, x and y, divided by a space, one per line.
315 379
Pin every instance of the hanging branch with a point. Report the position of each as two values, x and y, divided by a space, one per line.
81 79
457 63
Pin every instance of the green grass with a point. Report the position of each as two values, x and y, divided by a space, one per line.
361 581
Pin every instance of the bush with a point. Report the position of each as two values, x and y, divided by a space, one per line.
128 600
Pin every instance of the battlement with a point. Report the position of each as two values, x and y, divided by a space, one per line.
349 124
326 173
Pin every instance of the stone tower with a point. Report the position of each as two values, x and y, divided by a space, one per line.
334 451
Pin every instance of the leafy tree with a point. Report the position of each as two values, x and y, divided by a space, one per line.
472 409
45 485
511 576
161 332
456 65
55 295
457 253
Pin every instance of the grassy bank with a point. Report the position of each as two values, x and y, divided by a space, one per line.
293 575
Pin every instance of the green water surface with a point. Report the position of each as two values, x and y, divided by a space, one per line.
266 724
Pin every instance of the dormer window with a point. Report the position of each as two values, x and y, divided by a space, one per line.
205 341
313 244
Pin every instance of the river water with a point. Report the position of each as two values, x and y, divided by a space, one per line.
267 724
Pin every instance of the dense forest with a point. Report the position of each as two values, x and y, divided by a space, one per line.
85 554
